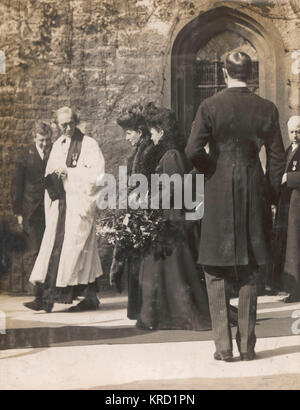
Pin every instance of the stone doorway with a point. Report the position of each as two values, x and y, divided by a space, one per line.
197 53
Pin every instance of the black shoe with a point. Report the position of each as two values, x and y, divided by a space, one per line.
225 356
246 357
290 299
38 306
48 307
140 325
85 306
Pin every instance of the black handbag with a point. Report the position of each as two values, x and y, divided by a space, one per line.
54 186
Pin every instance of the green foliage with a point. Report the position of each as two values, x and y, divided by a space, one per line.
37 45
117 14
141 232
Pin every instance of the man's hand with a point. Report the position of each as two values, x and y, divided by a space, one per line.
61 172
284 179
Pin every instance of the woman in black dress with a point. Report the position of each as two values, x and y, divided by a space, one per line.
173 295
136 132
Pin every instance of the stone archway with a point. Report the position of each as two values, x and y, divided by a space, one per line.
195 36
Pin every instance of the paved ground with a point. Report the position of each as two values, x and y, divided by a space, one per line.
103 350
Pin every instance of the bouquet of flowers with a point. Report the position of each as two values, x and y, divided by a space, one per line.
138 232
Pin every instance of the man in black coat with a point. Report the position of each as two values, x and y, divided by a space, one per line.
287 227
27 193
236 226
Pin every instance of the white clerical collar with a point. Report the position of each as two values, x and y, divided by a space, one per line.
237 84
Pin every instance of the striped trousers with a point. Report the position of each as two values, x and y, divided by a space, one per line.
218 282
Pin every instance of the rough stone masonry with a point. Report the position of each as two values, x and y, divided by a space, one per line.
99 56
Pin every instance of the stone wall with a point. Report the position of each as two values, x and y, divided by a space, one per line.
99 56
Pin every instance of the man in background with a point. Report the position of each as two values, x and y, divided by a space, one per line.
27 194
287 226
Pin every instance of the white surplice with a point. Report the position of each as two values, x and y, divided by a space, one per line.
79 261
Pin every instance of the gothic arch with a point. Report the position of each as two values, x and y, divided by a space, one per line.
263 37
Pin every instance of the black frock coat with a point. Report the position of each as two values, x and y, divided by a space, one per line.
28 182
236 226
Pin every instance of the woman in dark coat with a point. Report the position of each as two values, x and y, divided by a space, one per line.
140 162
173 295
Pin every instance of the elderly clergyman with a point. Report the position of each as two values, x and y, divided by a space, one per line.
287 226
68 263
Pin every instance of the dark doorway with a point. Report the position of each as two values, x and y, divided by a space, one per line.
198 54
